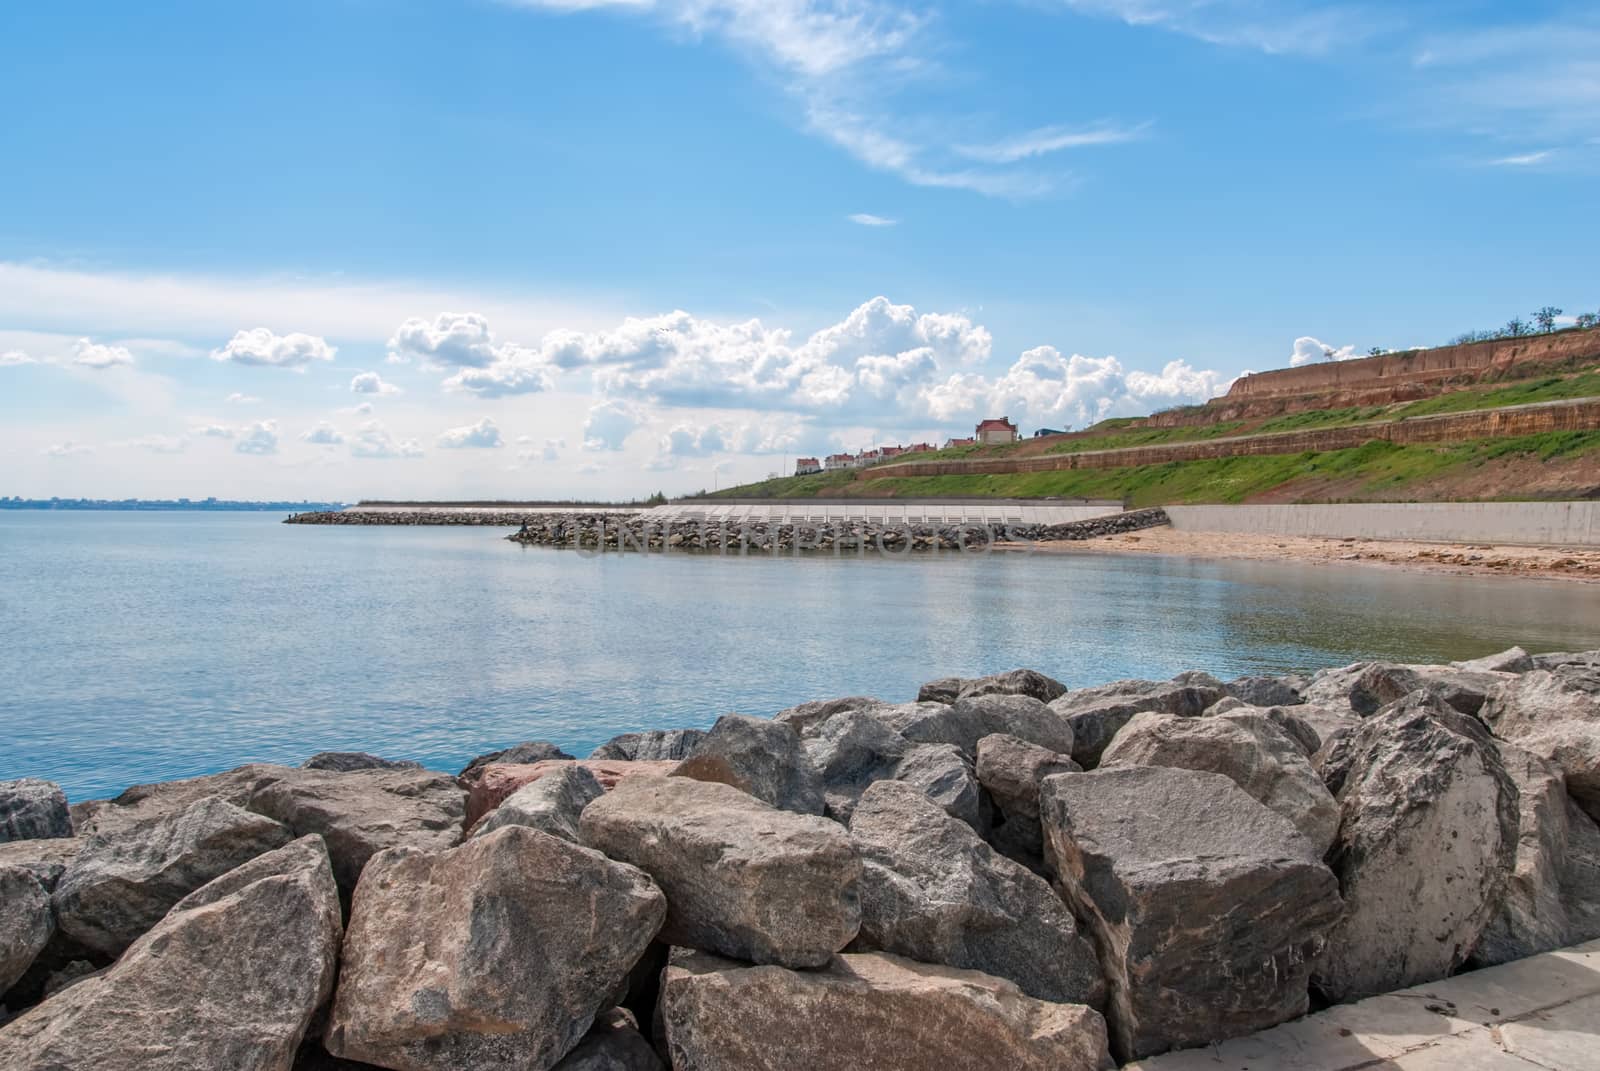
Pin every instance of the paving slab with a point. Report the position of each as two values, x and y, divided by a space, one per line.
1540 1012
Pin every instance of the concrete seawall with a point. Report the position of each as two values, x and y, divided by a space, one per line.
1561 524
1581 414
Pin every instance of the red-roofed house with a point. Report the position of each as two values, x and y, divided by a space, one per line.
948 443
805 466
839 461
996 431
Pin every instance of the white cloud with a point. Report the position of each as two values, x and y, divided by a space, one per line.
846 63
520 372
530 452
374 441
12 358
93 355
67 449
324 434
359 409
1530 159
212 431
260 347
482 435
158 444
687 439
1045 388
237 398
371 383
1308 350
867 219
1049 139
260 439
1272 26
455 339
609 425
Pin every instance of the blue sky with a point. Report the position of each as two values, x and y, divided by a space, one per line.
552 247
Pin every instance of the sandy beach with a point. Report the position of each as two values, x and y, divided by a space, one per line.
1556 563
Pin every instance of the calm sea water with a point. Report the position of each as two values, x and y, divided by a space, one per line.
140 647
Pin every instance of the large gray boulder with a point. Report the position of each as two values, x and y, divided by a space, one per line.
1024 682
1589 660
806 718
867 1011
26 922
943 690
31 809
498 953
525 753
1555 714
1511 660
1287 720
1367 686
761 757
1011 770
1248 750
360 814
46 859
1267 691
742 879
855 748
351 761
230 978
121 884
1098 714
1552 899
612 1044
933 891
1206 906
1427 840
657 745
141 803
551 804
970 719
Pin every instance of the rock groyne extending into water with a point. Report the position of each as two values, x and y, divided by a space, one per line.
643 533
1001 873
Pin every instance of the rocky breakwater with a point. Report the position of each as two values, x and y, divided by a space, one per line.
611 532
1002 872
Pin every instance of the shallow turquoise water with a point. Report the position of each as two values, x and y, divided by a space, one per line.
139 647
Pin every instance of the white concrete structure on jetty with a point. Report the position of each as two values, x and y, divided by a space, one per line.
994 511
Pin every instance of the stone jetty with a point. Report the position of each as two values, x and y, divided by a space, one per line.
1003 872
599 532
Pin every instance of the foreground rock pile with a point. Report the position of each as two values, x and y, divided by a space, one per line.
612 532
1001 873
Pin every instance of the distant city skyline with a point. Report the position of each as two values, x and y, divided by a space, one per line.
595 248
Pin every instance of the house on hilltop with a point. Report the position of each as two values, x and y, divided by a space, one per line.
805 466
990 432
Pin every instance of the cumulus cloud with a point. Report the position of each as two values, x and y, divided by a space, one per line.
212 431
374 441
480 436
371 383
531 451
67 449
609 425
688 439
261 347
241 399
12 358
456 339
1308 350
324 434
1045 387
260 439
94 355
